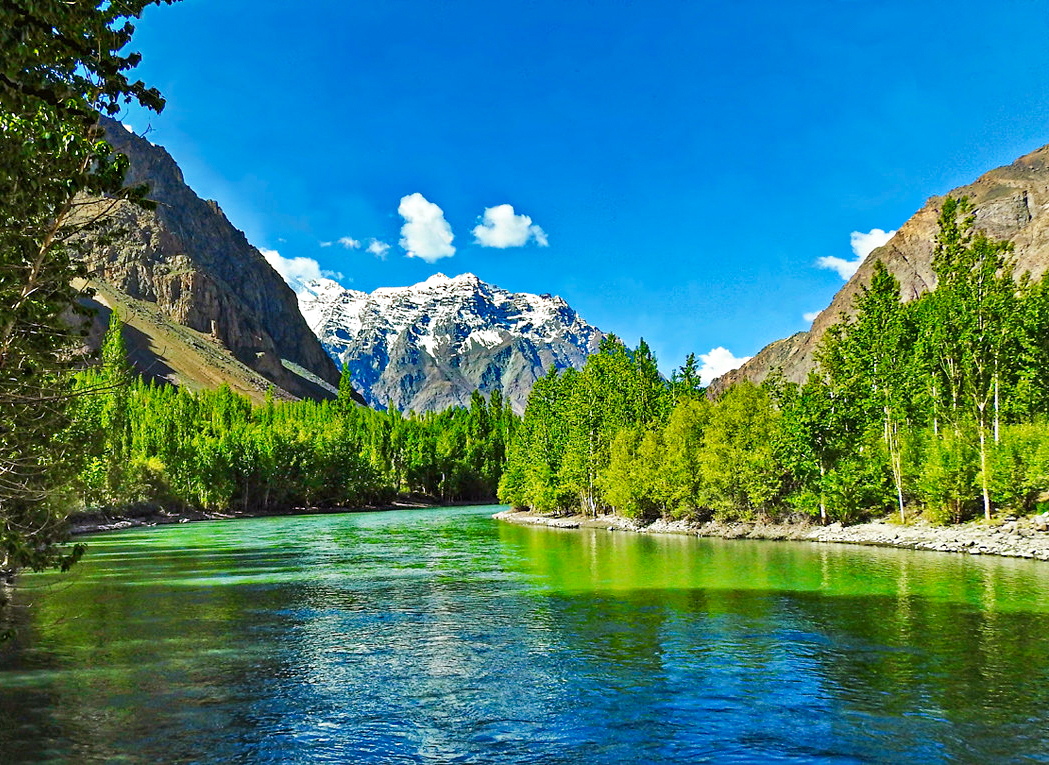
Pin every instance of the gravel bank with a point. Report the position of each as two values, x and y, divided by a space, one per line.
1013 538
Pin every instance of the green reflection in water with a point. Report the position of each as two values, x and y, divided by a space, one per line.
444 635
594 559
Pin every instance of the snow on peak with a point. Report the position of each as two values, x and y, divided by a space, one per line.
437 280
442 316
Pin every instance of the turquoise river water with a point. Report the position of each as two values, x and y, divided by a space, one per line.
446 636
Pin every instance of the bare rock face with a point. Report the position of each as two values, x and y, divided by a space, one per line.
201 271
1011 202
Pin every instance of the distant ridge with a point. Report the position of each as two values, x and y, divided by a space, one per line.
1011 202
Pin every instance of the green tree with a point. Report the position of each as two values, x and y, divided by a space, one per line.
62 64
117 377
347 400
870 362
978 320
685 382
949 475
741 473
819 430
683 437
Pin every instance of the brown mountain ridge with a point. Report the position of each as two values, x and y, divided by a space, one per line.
1010 202
188 268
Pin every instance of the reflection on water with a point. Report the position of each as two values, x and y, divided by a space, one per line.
440 636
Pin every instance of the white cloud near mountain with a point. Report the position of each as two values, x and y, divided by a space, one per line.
863 244
378 249
501 227
297 271
810 316
716 362
425 234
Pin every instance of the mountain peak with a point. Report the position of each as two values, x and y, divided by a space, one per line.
430 345
185 262
439 280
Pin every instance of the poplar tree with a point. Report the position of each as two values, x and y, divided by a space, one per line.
739 466
977 320
871 361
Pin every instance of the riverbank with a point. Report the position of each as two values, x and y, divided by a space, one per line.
1013 538
152 515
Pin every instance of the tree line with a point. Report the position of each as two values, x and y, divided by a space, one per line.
213 450
935 406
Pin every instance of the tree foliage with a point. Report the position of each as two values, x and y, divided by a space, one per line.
214 451
62 64
938 404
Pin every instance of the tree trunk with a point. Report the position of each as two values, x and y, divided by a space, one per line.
996 418
983 468
935 412
823 500
895 459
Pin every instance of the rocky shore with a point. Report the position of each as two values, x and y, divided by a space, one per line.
1009 537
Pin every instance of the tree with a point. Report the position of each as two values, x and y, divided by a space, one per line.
685 382
536 454
739 467
684 441
870 363
819 430
63 63
117 377
1031 395
347 399
977 317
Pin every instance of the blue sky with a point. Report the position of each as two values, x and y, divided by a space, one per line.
685 165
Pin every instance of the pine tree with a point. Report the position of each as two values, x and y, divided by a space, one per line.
116 387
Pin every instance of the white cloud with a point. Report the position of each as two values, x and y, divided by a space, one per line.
425 233
501 228
127 127
810 316
327 244
349 242
845 268
378 249
297 271
717 362
862 246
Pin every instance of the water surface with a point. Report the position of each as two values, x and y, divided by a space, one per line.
445 636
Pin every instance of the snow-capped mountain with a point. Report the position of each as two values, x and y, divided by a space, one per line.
429 346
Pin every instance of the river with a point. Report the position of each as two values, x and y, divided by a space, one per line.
445 636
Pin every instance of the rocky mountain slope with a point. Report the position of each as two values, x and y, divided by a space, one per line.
429 346
1011 202
200 272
